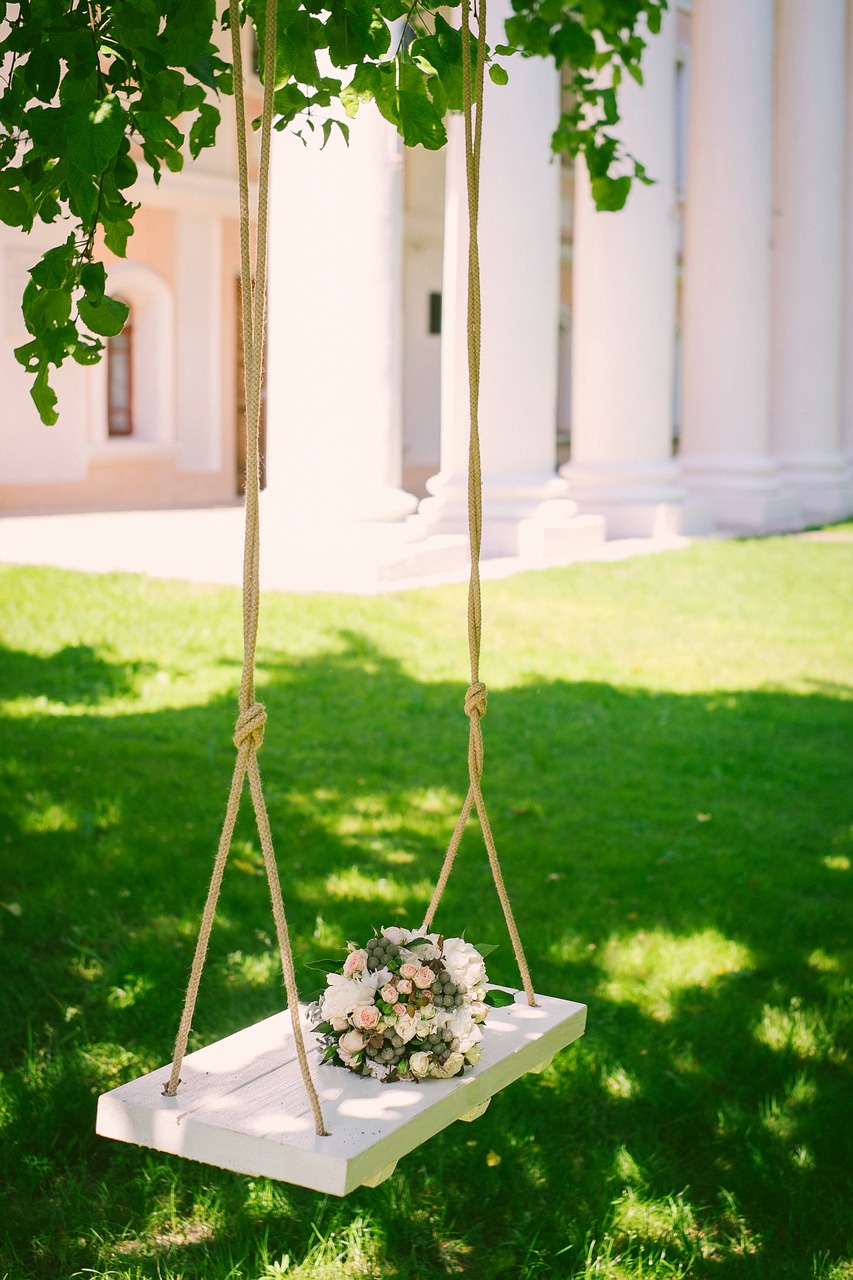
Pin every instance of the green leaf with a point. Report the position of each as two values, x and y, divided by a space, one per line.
203 129
498 74
610 194
116 236
156 129
326 966
486 948
14 209
105 316
95 133
44 397
499 999
42 72
93 278
82 195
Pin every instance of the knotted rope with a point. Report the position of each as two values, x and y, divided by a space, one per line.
477 696
249 729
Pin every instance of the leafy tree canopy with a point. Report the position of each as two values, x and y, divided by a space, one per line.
89 91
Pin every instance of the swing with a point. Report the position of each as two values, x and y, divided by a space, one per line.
250 1102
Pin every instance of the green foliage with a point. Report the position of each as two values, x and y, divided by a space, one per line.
90 90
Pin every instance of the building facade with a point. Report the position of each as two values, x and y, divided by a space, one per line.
683 365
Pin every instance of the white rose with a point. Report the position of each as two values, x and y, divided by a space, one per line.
452 1065
419 1064
429 951
397 936
342 995
461 1023
464 963
406 1028
471 1037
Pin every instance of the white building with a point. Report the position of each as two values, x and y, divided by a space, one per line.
697 348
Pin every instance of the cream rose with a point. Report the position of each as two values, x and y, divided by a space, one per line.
389 994
404 986
408 971
451 1066
423 978
419 1064
352 1042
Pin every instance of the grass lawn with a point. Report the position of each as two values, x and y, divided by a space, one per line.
668 771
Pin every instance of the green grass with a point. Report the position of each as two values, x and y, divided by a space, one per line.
668 772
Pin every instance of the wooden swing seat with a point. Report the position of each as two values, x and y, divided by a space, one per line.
242 1103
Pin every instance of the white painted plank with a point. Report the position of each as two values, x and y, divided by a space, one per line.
242 1106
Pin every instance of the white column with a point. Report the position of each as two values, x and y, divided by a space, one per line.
623 324
847 327
524 504
335 320
805 397
198 297
725 438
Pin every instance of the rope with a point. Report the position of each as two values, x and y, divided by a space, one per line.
249 729
477 696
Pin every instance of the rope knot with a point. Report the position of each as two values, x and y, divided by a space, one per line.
476 699
249 729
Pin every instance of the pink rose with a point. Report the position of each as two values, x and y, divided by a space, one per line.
355 962
423 978
400 1009
408 970
389 994
404 986
365 1017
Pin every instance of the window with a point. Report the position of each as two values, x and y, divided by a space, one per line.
120 382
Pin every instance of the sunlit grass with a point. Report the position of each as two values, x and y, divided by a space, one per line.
668 748
651 970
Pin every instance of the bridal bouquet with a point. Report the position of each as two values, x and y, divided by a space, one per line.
405 1006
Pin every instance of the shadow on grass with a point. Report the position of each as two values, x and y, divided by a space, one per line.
681 863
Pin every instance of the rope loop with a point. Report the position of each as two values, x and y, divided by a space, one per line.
249 729
476 699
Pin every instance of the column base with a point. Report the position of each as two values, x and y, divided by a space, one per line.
527 516
642 501
744 497
315 504
823 486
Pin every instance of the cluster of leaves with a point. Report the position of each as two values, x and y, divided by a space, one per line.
594 43
88 89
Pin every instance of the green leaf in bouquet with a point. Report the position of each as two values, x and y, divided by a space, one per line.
325 966
499 999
